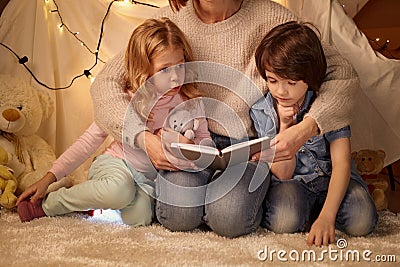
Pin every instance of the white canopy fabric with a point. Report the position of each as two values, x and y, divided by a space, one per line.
31 29
376 117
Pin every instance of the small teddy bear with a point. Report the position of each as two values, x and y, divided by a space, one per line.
369 164
183 122
8 182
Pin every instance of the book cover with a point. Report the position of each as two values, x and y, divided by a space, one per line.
206 156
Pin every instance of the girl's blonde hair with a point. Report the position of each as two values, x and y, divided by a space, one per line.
150 39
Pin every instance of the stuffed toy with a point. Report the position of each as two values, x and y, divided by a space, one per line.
183 122
8 182
369 165
22 110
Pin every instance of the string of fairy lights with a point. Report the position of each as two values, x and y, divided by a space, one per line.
382 48
87 71
377 43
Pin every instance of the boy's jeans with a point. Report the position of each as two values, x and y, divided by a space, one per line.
292 206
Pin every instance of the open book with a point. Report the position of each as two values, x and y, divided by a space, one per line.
207 156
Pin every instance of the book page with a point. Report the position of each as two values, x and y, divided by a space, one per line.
263 141
196 148
201 156
205 156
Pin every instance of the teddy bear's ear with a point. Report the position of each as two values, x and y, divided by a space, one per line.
47 104
354 154
381 153
196 124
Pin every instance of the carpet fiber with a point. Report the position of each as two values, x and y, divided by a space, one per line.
80 240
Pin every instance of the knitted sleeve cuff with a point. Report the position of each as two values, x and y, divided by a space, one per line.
331 109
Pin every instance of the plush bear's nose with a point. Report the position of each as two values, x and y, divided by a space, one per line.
11 114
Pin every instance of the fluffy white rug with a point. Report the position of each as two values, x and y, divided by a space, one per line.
79 240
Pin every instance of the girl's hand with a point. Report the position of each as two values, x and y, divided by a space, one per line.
322 232
37 190
169 136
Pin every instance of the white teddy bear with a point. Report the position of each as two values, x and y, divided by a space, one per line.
183 122
22 110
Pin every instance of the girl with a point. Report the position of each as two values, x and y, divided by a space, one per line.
123 179
320 182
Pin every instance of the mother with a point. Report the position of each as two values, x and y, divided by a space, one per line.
225 32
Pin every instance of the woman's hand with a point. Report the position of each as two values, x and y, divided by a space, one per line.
37 190
288 142
159 153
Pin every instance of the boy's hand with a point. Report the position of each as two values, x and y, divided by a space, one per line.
322 232
287 115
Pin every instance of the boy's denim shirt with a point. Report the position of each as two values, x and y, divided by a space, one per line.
313 159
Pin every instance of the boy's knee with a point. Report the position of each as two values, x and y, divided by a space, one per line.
358 215
360 226
361 222
286 208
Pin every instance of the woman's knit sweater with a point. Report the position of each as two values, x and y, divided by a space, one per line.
231 42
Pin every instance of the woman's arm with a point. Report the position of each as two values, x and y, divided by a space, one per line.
331 110
323 230
110 100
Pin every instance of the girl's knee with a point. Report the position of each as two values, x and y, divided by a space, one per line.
140 212
119 194
143 218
